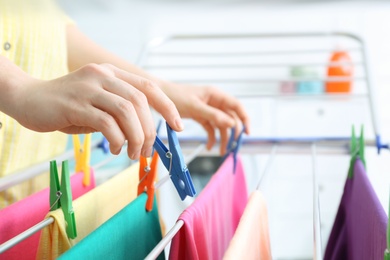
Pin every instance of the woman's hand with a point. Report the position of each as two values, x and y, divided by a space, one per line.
210 107
97 98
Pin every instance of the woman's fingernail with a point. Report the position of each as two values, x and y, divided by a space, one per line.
117 151
147 152
135 155
179 124
247 131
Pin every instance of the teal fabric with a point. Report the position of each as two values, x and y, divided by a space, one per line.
130 234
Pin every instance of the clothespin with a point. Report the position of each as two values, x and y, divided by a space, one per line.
380 145
82 156
147 176
234 146
357 150
362 146
61 196
174 162
104 145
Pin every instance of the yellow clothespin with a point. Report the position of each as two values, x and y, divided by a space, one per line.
82 157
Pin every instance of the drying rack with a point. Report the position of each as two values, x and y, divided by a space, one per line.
254 68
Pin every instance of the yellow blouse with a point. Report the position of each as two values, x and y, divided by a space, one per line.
33 36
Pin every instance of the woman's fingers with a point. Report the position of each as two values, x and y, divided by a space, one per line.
211 114
224 140
93 118
227 104
121 108
238 126
211 118
125 97
156 97
133 101
126 117
210 133
234 108
75 130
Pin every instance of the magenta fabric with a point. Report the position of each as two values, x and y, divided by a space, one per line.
25 213
359 231
210 222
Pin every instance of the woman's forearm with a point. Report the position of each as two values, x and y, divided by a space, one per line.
12 81
82 51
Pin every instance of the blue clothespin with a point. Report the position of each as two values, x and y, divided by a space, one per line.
174 162
104 145
380 145
234 146
61 196
159 124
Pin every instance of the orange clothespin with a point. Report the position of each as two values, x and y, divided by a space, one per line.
147 176
82 157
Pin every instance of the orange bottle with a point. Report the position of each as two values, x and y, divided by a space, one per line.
344 69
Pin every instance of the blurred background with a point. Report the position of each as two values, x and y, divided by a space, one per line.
126 26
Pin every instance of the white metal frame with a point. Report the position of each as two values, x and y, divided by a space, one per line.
272 146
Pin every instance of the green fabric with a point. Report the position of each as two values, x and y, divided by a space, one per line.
130 234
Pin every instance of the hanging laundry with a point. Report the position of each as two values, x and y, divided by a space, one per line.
130 234
210 222
91 211
25 213
359 230
251 240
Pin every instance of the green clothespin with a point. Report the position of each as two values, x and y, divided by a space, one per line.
362 148
357 150
353 140
387 250
61 196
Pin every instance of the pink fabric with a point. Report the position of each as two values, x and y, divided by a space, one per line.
210 222
24 214
251 240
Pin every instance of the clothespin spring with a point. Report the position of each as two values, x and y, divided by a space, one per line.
147 169
169 156
233 146
58 194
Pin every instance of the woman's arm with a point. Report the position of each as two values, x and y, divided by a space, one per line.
93 98
12 79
